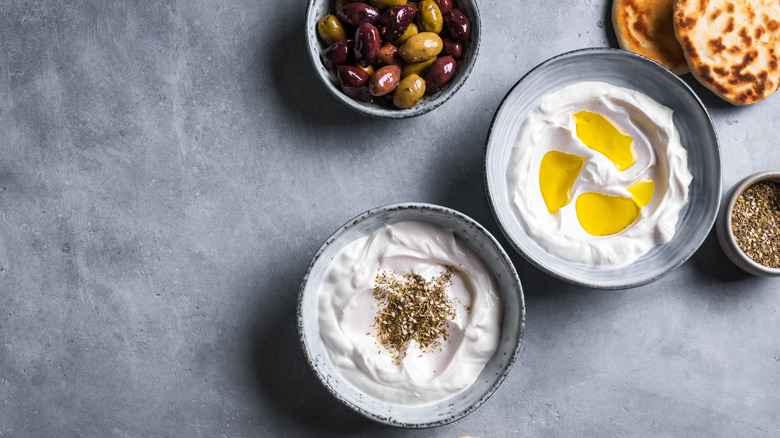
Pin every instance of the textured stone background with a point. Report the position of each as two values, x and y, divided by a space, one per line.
167 170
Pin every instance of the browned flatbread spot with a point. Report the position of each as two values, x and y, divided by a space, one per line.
728 49
729 25
645 27
716 45
746 40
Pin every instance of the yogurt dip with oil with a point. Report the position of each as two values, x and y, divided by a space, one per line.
598 175
347 310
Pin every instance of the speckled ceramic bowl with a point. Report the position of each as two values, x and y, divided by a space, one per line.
623 69
726 235
319 8
513 319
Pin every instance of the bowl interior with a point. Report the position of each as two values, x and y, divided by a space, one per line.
319 8
698 137
495 370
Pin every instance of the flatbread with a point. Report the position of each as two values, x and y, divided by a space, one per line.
645 27
732 46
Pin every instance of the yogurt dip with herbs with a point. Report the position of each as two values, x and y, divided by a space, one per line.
409 314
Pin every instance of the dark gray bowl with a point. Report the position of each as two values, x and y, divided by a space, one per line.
319 8
623 69
495 371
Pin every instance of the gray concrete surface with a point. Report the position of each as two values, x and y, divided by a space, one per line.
167 170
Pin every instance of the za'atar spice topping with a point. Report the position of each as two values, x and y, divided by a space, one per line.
412 308
755 222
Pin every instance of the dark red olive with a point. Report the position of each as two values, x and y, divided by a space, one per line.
395 20
351 78
452 48
358 13
367 42
338 53
339 3
445 6
439 73
458 25
360 94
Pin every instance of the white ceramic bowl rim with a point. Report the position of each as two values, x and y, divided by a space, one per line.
428 103
729 207
499 378
715 186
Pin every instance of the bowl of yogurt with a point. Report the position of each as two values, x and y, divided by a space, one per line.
411 315
602 168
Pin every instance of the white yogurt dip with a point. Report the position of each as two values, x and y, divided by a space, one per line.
659 156
347 309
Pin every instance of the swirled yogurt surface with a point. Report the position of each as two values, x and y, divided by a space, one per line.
554 129
347 310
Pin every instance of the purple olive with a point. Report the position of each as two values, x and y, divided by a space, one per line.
360 94
439 73
351 78
367 42
339 3
338 53
452 48
458 25
358 13
445 6
395 20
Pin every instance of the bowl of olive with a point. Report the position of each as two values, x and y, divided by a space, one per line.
393 59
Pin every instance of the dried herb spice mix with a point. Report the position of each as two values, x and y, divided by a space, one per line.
412 309
755 222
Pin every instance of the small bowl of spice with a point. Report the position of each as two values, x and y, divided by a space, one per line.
749 224
411 315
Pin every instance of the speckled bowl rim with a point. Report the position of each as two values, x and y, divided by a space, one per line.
435 209
630 283
726 235
373 110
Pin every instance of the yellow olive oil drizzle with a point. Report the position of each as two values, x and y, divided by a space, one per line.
599 214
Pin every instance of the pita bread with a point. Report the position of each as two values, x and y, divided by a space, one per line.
732 46
645 27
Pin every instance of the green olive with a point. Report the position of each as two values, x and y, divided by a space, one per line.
408 33
330 29
421 47
384 4
416 68
368 69
409 91
429 17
